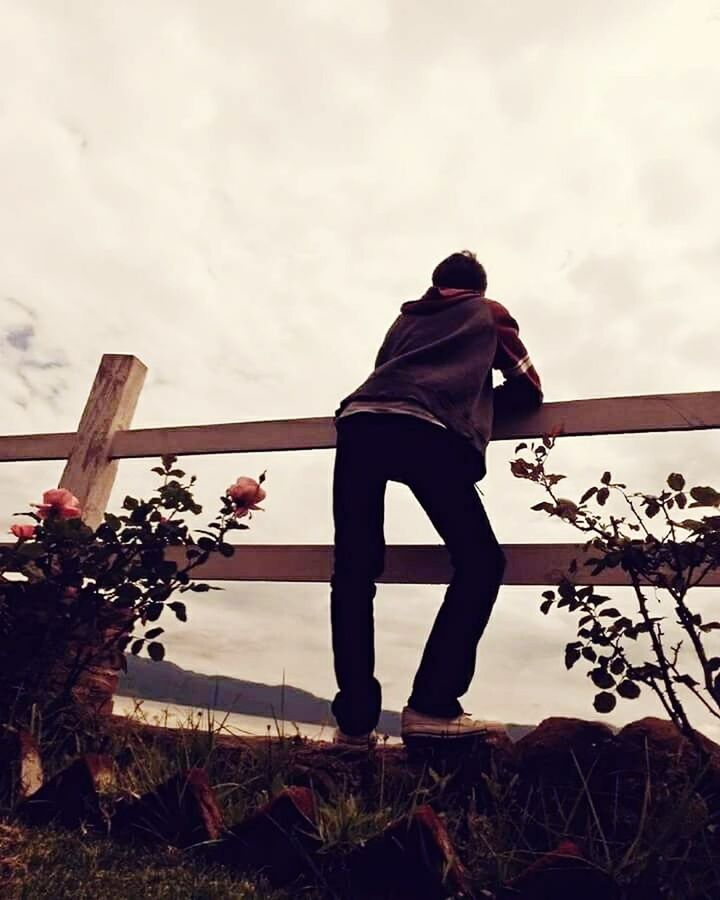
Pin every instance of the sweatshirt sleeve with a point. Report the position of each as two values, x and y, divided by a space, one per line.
522 389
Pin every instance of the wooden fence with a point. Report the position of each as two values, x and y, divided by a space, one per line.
104 436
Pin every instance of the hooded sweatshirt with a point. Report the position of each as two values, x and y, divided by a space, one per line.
438 356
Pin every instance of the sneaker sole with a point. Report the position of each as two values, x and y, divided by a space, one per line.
444 734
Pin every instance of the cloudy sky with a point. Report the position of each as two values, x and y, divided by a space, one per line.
242 194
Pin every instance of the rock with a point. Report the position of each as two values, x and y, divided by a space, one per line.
661 744
564 872
277 840
71 798
182 811
563 782
21 771
413 858
653 753
555 750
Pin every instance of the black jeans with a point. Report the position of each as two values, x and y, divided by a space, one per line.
440 469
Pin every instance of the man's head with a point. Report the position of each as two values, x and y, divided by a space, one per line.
460 270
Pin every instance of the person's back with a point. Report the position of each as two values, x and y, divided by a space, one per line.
423 417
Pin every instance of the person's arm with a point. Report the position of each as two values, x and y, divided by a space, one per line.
521 391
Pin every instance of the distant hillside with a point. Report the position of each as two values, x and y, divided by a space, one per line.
168 683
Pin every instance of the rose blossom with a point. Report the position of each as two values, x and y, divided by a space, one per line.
59 501
246 493
23 531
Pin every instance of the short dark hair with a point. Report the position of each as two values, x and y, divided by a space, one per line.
460 270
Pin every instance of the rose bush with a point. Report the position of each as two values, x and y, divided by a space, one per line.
74 599
665 555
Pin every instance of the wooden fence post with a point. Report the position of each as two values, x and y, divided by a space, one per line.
90 472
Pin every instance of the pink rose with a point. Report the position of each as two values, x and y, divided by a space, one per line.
58 502
70 591
246 493
24 532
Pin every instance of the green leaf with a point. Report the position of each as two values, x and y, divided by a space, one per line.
604 702
153 611
572 655
628 689
156 651
129 503
520 447
676 481
589 654
552 480
137 646
153 633
549 595
129 591
612 612
691 524
714 663
602 496
704 496
200 587
617 666
226 549
602 678
607 477
545 606
179 609
588 494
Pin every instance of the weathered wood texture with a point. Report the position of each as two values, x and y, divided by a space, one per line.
22 447
575 418
618 415
527 564
90 471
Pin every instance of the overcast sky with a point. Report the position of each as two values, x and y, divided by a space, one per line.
242 194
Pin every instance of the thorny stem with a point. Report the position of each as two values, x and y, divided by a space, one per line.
678 713
686 619
637 515
693 690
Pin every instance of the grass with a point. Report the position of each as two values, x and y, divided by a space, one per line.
663 843
55 865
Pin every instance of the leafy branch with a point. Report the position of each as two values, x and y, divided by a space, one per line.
661 552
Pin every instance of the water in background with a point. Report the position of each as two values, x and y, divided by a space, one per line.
155 712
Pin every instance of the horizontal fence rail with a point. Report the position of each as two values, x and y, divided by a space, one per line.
527 564
104 437
573 418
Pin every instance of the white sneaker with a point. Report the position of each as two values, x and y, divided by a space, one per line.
417 725
355 741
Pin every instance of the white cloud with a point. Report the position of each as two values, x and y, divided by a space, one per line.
242 195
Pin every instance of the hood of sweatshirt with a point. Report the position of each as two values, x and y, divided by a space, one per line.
437 299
